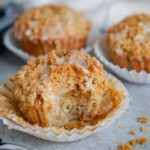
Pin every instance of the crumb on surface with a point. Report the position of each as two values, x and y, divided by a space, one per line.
125 146
133 132
144 129
129 145
142 140
133 142
143 119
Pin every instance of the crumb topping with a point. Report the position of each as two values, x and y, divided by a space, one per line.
63 87
9 108
131 36
51 22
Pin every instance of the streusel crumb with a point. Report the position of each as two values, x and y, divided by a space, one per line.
144 129
144 119
133 142
142 140
125 146
133 132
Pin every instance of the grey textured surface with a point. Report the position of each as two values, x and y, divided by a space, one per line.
108 139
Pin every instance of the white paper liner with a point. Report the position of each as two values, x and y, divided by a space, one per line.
13 46
64 135
141 77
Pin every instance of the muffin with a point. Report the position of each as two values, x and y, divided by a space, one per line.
43 29
63 89
128 43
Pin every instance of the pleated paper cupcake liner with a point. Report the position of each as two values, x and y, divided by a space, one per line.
129 75
13 46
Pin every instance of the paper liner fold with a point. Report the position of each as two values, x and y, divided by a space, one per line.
13 46
130 75
13 121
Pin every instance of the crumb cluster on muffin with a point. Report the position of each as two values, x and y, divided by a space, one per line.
64 88
128 43
43 29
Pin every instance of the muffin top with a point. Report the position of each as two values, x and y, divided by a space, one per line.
51 22
131 36
64 88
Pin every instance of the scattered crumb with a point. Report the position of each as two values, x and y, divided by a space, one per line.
125 146
142 140
133 142
143 119
133 132
130 145
144 129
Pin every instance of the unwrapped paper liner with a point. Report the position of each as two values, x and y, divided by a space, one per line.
61 134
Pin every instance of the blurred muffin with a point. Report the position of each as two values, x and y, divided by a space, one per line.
128 43
63 89
43 29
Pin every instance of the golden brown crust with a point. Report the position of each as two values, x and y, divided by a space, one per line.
128 43
125 61
43 29
43 47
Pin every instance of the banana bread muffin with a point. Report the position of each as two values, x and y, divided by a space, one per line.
43 29
128 43
63 89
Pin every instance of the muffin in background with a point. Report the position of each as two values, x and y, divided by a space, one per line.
128 43
43 29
